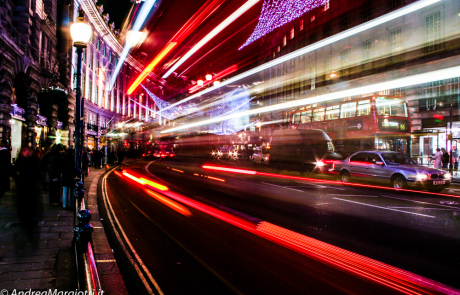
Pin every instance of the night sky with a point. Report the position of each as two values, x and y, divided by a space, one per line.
117 10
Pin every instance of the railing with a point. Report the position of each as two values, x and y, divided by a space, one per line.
87 274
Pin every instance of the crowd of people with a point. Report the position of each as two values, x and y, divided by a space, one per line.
53 170
442 158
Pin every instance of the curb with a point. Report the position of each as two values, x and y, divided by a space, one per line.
109 274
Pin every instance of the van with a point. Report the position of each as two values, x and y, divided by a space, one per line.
261 155
302 150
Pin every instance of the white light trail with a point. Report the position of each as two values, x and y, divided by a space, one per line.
348 33
398 83
140 19
211 35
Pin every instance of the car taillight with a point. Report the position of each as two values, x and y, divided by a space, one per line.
143 155
328 161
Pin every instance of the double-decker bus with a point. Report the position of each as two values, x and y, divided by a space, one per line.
377 122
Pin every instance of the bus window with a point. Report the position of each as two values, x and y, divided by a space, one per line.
306 117
391 107
348 110
364 107
332 113
296 118
318 115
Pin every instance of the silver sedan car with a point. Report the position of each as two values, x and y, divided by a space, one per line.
391 168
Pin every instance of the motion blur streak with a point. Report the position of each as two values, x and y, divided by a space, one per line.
201 15
348 33
417 79
226 169
378 272
177 170
171 204
215 178
253 172
145 182
211 35
150 67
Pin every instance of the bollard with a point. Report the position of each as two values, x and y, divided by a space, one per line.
83 230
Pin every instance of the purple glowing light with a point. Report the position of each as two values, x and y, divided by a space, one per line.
276 13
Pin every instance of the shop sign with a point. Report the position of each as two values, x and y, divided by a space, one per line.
393 125
18 113
41 120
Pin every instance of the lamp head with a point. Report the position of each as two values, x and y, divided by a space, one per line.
80 31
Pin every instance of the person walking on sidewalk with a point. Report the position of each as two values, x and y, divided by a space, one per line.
26 174
68 170
5 168
444 158
54 168
437 158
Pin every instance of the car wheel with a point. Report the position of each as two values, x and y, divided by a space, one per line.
345 177
399 182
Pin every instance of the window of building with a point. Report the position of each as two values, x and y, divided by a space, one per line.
452 86
367 11
292 33
344 22
327 67
318 115
433 31
327 31
279 48
344 61
90 91
348 110
105 50
326 5
332 112
393 4
396 44
91 60
312 19
301 25
364 107
313 77
83 84
96 100
284 40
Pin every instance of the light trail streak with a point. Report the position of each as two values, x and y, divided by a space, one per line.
348 33
211 35
397 83
169 203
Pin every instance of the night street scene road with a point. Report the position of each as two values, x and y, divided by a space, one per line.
229 147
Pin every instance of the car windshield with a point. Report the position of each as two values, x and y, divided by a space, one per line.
397 159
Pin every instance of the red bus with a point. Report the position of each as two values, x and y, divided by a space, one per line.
377 122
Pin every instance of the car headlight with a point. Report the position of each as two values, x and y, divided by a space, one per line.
320 164
447 176
421 177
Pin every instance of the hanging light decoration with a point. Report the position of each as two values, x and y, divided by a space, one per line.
209 77
276 13
199 82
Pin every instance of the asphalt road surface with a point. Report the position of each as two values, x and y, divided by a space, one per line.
180 247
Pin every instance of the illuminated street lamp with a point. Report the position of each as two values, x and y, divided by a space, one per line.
81 34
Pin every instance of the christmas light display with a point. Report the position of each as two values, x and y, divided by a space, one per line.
276 13
161 104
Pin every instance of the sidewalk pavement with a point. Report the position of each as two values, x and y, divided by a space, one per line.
43 257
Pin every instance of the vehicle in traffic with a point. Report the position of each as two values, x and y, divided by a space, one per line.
373 122
303 150
391 168
149 154
261 155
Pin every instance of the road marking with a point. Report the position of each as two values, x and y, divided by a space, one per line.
283 187
321 186
130 258
385 208
421 202
340 195
421 208
177 170
106 260
320 204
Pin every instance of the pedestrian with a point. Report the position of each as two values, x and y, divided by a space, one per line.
455 157
5 167
444 158
437 158
26 173
86 161
54 168
68 171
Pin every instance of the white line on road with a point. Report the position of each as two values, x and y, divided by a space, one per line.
420 208
108 205
283 187
385 208
340 195
421 202
321 186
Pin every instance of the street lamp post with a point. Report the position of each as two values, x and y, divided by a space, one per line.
81 34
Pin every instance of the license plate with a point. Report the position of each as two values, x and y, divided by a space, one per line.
439 182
